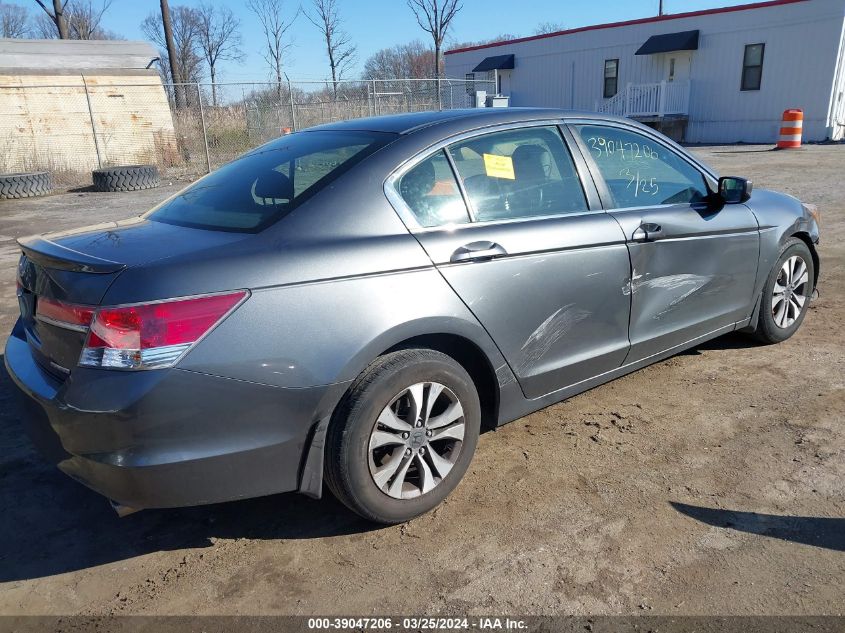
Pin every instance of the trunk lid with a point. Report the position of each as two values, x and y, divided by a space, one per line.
79 266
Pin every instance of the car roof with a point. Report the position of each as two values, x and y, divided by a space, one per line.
472 118
431 126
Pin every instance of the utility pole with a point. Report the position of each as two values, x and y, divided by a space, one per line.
171 53
660 11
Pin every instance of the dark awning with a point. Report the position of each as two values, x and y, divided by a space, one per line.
683 41
498 62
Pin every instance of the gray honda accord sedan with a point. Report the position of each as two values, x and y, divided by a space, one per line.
354 303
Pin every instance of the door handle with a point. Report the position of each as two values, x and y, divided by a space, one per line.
478 251
647 232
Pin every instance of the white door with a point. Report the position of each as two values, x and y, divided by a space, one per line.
504 87
677 66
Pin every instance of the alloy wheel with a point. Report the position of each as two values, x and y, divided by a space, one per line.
416 440
790 292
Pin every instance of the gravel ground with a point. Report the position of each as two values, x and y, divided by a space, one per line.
710 483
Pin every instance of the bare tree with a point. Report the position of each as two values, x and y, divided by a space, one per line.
219 39
405 61
549 27
435 17
186 60
501 37
57 15
42 28
14 21
82 20
339 47
180 52
271 15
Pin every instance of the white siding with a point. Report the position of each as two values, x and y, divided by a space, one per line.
803 42
837 97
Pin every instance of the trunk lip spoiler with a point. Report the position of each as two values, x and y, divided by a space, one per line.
52 255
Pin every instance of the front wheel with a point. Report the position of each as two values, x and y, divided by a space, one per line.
786 294
404 435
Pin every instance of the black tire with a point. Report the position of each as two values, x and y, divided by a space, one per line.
16 186
126 178
768 330
347 464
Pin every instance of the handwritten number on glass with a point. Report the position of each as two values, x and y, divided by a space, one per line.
640 185
603 147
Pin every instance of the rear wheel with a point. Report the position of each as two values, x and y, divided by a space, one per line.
404 435
786 295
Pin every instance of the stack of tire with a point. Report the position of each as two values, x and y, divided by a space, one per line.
126 178
25 185
40 183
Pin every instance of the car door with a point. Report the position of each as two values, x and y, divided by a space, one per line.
507 220
693 263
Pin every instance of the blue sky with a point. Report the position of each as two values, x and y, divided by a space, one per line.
375 24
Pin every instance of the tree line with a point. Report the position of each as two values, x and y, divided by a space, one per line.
56 19
194 41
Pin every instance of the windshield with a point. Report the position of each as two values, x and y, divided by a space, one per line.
266 184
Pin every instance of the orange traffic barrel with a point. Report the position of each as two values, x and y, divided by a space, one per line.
286 131
791 128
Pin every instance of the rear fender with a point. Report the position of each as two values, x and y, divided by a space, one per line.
311 477
320 334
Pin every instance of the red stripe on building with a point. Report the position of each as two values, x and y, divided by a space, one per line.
613 25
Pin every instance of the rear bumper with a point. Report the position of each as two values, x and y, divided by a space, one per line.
166 438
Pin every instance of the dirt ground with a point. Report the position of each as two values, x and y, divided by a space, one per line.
710 483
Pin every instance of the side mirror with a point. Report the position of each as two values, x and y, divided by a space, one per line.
733 190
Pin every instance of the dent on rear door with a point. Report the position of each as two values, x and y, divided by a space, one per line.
557 304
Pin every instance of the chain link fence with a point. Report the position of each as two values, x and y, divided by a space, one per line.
188 129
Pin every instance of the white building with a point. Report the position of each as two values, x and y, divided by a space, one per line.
721 75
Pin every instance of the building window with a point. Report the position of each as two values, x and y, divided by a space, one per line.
470 82
611 77
752 66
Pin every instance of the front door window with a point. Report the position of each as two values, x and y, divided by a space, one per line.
639 171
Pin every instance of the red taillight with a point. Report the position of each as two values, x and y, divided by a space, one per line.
64 314
153 335
142 336
159 324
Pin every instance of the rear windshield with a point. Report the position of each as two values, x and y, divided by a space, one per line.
257 189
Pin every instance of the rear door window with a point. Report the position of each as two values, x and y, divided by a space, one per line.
263 186
431 193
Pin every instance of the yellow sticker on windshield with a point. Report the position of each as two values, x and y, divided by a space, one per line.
499 166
